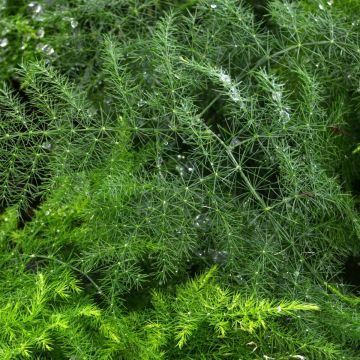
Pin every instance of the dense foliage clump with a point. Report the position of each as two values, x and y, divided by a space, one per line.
178 180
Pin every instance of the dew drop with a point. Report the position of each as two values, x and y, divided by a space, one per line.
180 169
46 146
74 23
46 49
285 114
219 257
40 33
234 94
225 78
202 222
276 95
235 142
35 8
141 103
4 42
213 6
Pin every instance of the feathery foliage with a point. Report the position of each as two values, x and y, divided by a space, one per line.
178 181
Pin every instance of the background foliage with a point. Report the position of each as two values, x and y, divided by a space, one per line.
178 180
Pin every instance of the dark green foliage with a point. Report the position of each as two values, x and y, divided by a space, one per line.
177 182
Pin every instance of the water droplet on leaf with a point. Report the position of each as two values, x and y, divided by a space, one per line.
46 146
46 49
4 42
234 94
141 103
180 169
35 8
225 78
202 222
276 95
74 23
285 114
40 33
235 142
218 257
